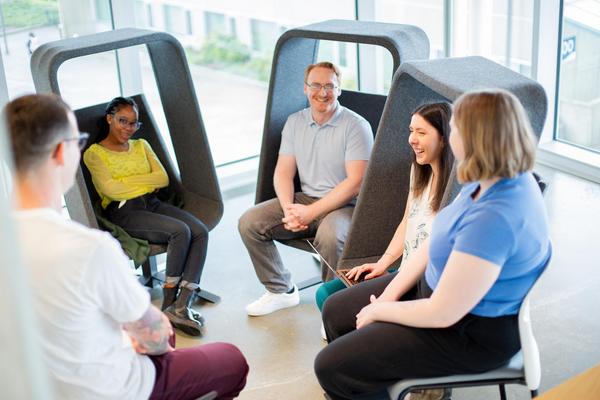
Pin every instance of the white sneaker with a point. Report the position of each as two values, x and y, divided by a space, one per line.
271 302
323 334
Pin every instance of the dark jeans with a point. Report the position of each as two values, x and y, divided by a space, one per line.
361 364
148 218
195 371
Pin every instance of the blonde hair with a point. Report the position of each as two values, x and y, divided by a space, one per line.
327 65
497 137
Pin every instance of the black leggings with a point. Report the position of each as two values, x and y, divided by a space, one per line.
148 218
361 364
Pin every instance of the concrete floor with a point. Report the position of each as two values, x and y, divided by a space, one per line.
280 348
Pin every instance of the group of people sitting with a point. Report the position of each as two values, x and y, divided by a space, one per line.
451 306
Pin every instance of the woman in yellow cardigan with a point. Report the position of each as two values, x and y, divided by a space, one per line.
127 173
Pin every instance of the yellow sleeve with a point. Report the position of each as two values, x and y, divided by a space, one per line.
108 187
157 178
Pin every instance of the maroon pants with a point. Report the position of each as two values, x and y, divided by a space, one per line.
195 371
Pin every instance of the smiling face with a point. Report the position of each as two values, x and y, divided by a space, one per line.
425 141
322 101
122 124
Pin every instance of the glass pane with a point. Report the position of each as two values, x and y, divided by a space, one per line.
426 14
229 46
89 80
579 87
31 23
500 30
344 56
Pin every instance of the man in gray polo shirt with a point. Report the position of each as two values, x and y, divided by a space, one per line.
329 146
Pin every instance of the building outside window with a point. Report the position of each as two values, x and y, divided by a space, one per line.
578 121
30 23
230 45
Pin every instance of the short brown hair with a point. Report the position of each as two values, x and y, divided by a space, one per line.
497 137
327 65
36 123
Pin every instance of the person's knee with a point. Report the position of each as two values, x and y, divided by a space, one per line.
320 296
331 235
181 232
247 223
236 362
331 307
325 367
199 230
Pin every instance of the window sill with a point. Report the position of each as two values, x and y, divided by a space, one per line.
570 159
238 178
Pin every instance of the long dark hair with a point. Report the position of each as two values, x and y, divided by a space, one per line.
438 116
111 108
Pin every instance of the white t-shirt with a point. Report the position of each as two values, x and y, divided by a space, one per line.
83 291
418 223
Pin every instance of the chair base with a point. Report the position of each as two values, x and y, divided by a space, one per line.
151 277
207 296
451 385
305 284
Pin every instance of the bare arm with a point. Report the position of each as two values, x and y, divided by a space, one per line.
464 282
151 333
408 275
283 179
392 253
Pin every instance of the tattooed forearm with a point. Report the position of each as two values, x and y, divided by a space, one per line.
150 333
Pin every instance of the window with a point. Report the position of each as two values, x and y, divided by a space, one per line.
264 35
426 14
35 23
175 19
102 10
230 58
578 120
500 30
149 15
214 23
188 23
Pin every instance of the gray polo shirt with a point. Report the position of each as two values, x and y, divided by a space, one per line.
321 151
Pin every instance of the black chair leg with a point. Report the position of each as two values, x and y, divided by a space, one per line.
149 269
502 392
208 296
315 280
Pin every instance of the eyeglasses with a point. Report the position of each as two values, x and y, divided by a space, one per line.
317 87
124 123
81 140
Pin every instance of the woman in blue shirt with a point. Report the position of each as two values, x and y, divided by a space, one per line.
453 308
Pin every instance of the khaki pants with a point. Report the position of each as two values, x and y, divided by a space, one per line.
261 225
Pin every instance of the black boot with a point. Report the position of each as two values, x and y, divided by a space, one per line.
181 316
169 296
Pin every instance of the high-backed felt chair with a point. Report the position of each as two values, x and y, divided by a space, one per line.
195 179
296 49
88 121
524 368
382 200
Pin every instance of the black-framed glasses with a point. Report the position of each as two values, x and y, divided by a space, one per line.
81 139
317 87
124 123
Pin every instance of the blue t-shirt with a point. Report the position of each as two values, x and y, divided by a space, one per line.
507 226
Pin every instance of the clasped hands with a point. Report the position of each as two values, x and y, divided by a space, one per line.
297 217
